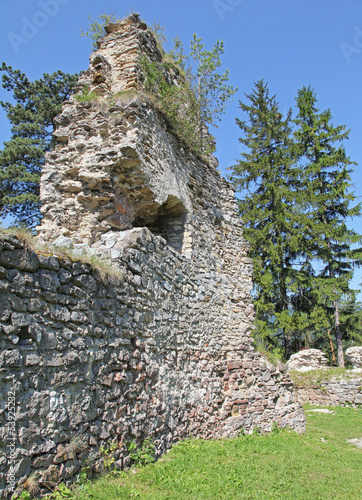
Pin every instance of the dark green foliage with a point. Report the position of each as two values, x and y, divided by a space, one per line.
21 160
177 102
141 455
267 175
296 198
211 88
328 198
351 321
86 95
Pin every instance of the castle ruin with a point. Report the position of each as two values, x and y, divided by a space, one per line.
163 347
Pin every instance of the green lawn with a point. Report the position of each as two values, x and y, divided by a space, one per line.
281 465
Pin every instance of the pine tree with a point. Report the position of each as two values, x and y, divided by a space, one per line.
327 187
32 118
268 177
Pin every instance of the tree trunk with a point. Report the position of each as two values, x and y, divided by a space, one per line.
332 348
340 355
284 307
288 344
337 330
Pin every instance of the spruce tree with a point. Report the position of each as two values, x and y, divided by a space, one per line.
327 187
267 176
36 103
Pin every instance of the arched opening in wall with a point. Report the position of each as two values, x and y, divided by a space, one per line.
167 220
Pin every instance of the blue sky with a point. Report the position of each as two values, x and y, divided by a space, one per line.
289 43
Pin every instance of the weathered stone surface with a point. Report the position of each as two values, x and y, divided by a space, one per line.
160 346
307 359
129 350
354 356
63 242
342 390
18 259
11 358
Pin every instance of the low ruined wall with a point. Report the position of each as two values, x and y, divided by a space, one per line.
156 351
335 392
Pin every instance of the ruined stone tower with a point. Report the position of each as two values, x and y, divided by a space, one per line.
162 348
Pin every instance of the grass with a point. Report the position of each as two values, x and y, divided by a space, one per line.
314 378
23 234
281 465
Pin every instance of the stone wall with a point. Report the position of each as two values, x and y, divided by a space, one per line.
160 349
155 352
335 392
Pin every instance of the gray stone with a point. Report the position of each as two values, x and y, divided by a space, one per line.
19 320
50 262
18 259
307 359
64 276
63 242
11 358
159 344
49 280
60 313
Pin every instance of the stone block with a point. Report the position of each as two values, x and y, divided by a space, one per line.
234 365
19 259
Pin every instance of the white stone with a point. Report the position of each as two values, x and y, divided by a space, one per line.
307 359
63 242
354 356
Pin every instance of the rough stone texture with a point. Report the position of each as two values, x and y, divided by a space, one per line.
117 166
307 359
354 356
163 347
161 351
336 392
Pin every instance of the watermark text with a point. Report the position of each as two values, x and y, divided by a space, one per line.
31 25
11 440
348 49
223 7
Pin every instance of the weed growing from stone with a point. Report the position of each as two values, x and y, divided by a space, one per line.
274 356
32 484
61 492
25 495
23 234
141 455
95 30
86 95
108 455
77 445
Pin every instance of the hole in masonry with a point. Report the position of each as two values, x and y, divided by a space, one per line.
24 336
167 220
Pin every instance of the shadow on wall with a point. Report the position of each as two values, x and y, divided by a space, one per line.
167 220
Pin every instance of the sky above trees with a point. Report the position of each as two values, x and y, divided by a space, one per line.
287 43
